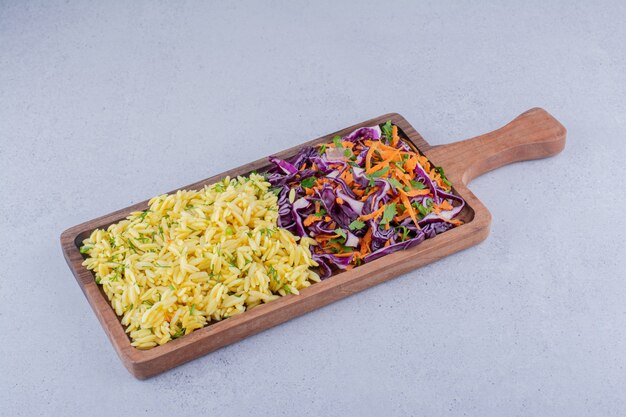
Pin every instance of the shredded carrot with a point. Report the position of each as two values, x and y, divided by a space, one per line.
388 156
310 220
402 216
441 183
394 136
366 243
373 214
347 177
347 144
415 192
411 163
370 152
455 222
339 200
445 205
379 145
322 238
407 205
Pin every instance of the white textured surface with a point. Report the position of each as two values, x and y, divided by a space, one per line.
103 105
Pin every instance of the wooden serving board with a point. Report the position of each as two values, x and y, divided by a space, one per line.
532 135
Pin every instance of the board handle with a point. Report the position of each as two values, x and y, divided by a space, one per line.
534 134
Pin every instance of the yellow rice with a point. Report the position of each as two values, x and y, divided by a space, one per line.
197 256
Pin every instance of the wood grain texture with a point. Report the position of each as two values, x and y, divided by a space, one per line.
534 134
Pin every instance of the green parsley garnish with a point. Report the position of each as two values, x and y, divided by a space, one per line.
386 129
439 170
389 213
376 174
404 232
356 225
341 233
144 214
308 182
422 209
417 184
273 274
320 213
132 246
179 333
396 184
380 172
267 231
337 141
